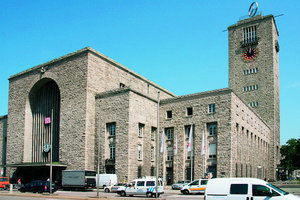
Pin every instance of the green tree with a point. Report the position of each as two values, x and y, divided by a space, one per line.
290 154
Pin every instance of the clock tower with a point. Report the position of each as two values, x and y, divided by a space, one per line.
254 74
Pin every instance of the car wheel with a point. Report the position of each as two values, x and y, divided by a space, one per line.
123 193
106 190
185 192
149 194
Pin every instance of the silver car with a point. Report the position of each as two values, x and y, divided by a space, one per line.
180 184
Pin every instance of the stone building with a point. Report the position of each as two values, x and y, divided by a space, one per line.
72 100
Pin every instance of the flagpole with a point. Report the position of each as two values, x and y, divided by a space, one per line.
164 159
177 157
51 151
203 149
157 146
192 152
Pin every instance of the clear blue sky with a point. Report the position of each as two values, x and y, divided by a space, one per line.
178 44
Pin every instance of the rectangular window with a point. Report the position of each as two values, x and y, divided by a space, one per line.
111 128
140 152
211 108
170 153
189 111
250 35
153 132
140 183
152 154
169 133
141 130
112 151
169 114
212 150
239 189
150 183
212 129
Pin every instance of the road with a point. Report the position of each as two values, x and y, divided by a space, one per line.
87 195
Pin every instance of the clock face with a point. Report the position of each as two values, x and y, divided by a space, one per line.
46 147
249 54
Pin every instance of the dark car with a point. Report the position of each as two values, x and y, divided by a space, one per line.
38 186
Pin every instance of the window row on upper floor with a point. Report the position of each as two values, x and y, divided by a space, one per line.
189 111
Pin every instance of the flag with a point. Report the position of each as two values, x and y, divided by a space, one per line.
47 120
162 142
203 144
175 148
190 143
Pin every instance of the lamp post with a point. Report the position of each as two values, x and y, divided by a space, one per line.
98 160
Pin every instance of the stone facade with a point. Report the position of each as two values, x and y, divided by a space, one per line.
239 134
262 72
101 101
3 138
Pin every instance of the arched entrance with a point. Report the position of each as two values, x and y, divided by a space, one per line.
44 100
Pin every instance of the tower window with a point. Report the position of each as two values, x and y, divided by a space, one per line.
250 88
250 36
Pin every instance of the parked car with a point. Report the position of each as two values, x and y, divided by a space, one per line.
113 188
197 186
38 186
4 182
179 185
244 188
145 186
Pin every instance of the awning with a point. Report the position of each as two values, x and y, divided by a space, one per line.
37 164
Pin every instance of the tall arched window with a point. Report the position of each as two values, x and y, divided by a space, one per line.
45 107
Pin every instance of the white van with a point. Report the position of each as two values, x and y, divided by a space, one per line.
197 186
104 180
144 186
244 188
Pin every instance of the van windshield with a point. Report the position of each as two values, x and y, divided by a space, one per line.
277 189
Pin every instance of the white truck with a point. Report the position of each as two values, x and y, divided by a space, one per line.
104 180
78 179
144 186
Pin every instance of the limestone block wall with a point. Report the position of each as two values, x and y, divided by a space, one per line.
200 118
70 76
3 135
127 108
251 142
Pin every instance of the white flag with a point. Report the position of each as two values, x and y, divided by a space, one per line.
162 142
190 143
203 144
175 152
